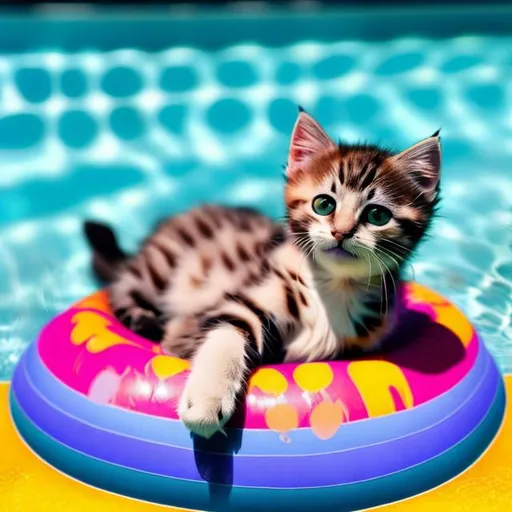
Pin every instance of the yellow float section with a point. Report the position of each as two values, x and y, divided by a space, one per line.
27 483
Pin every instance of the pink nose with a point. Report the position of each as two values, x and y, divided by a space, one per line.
337 235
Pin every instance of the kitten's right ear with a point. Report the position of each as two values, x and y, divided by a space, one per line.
308 138
423 163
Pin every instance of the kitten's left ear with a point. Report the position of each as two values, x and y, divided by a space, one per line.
423 163
308 138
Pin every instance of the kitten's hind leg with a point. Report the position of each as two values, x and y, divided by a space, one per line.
147 322
182 336
219 371
136 313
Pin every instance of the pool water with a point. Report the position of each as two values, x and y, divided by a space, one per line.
129 135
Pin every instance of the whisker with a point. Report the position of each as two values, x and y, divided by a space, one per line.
369 271
396 244
306 256
389 254
404 262
383 281
385 290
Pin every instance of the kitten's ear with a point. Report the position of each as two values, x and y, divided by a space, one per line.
423 162
308 138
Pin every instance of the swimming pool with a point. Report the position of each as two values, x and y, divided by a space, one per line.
131 128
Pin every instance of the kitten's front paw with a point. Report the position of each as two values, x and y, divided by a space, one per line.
205 407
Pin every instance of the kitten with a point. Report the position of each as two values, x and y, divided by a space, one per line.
231 289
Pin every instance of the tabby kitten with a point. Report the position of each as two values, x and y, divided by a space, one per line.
231 289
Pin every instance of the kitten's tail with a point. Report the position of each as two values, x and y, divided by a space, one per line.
107 255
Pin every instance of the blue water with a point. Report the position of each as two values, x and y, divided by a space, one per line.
129 136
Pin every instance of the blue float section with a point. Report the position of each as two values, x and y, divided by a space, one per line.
255 442
205 496
273 471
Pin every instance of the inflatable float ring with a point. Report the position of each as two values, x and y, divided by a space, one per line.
99 403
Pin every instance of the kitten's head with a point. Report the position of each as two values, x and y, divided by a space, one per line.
359 210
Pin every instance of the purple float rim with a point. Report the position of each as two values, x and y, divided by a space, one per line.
437 443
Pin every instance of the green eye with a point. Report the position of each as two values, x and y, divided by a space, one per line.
378 215
323 204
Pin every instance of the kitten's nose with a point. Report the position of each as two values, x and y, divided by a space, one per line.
338 235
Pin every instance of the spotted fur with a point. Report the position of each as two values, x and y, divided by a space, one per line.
231 289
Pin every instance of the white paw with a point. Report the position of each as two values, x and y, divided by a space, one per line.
205 407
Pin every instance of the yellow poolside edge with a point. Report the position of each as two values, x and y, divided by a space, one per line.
27 483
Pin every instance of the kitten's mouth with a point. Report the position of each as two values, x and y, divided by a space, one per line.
338 252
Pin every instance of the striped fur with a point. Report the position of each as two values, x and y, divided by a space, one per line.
231 289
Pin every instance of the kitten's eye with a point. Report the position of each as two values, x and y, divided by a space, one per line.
378 215
323 204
